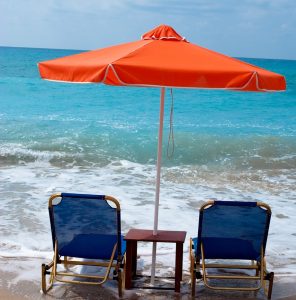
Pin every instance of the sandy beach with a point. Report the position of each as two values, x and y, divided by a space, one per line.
27 286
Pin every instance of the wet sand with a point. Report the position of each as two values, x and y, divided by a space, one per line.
30 290
14 287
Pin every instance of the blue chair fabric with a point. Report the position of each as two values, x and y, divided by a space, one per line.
85 227
232 230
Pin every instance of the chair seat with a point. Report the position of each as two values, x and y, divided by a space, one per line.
85 226
235 232
91 246
226 248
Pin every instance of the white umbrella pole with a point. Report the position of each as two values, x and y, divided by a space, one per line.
158 169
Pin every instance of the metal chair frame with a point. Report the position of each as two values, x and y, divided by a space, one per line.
51 269
198 264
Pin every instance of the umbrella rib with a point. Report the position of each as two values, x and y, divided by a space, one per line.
112 67
255 74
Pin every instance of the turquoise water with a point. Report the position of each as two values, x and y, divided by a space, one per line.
95 124
58 137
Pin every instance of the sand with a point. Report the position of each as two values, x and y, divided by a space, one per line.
16 287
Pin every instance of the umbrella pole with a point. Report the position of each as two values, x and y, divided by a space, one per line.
158 169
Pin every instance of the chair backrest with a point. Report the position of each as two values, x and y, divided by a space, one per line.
85 226
233 230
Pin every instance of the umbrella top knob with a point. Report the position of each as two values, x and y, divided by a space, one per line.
163 32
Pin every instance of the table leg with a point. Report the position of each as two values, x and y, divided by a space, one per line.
129 264
178 266
134 259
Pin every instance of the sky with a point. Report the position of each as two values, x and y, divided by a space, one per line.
239 28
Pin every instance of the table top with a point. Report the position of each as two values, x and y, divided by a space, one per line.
166 236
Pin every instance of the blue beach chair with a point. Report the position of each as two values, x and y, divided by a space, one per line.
86 231
229 232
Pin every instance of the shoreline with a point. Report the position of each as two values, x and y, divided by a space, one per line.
16 286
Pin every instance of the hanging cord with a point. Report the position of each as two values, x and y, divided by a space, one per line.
171 141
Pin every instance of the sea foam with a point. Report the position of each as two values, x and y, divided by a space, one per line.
99 139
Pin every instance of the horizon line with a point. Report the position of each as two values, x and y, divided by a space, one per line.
70 49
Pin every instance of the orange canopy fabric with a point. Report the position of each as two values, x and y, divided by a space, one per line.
162 58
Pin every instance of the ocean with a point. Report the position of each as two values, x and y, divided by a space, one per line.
90 138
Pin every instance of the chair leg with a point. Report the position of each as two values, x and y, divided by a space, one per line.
192 268
44 272
123 265
268 276
270 286
119 275
193 282
119 283
43 279
195 275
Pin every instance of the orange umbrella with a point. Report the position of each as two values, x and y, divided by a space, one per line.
162 58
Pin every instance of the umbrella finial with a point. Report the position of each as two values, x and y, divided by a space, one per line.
163 32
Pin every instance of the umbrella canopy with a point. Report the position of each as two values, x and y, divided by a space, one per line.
162 58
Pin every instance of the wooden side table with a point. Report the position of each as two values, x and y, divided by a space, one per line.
164 236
